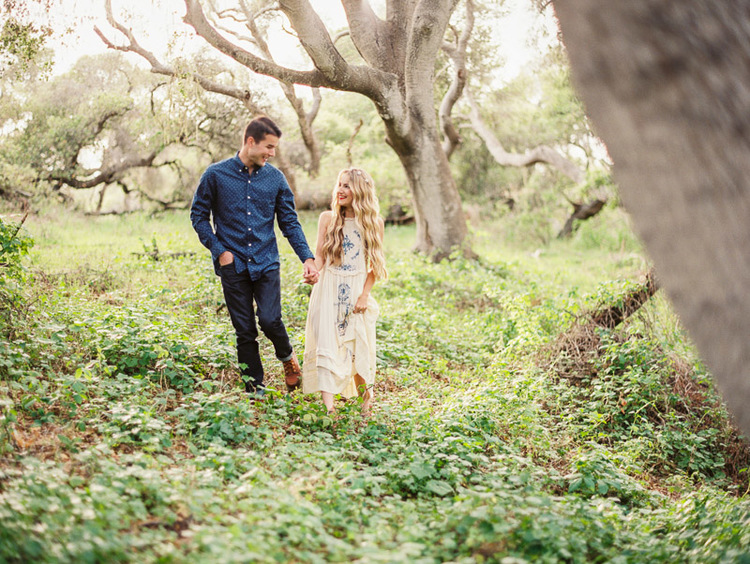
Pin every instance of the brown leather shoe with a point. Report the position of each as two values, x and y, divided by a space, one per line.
292 374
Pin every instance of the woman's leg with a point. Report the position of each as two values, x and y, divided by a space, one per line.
366 393
327 400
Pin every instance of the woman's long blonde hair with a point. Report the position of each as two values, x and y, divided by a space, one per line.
366 214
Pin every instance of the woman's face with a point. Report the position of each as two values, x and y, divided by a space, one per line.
344 191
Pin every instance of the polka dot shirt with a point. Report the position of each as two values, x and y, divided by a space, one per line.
243 203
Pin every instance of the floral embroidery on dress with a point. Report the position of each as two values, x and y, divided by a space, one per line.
343 307
349 258
347 245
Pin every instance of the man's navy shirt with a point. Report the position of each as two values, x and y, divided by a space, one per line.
243 204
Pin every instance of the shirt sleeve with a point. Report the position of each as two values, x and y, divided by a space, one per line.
200 215
286 215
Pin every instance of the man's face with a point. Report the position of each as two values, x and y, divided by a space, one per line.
259 152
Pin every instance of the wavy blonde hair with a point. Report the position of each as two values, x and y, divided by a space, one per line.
366 214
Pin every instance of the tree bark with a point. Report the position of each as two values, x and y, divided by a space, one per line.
438 212
457 52
667 86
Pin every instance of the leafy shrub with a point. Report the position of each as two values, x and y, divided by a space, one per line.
215 418
636 392
14 245
597 472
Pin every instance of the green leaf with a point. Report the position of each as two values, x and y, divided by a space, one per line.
439 487
421 470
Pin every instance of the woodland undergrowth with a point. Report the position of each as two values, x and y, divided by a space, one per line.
506 427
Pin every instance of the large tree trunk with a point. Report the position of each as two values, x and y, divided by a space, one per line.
441 225
667 86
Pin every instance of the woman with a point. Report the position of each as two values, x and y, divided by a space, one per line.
340 334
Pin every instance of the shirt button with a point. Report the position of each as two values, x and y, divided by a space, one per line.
249 228
249 244
248 213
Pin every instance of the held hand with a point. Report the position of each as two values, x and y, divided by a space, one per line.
361 305
226 258
310 272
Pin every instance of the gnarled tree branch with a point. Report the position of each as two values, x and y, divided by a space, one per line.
540 154
105 175
304 119
457 53
366 33
241 94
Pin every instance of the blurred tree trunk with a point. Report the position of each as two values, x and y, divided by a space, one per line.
667 86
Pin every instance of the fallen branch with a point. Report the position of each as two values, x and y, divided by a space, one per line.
570 355
15 234
581 212
610 317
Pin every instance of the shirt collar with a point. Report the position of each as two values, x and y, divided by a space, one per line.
237 161
241 166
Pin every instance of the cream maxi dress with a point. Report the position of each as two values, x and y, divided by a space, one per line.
338 342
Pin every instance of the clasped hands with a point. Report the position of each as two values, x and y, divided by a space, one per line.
310 272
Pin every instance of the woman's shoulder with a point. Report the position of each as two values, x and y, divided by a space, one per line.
325 218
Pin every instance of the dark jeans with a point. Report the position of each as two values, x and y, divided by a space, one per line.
239 293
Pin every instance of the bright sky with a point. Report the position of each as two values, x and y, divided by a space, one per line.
164 17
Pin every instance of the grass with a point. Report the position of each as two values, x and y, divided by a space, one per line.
126 437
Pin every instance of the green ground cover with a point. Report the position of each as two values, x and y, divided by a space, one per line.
125 436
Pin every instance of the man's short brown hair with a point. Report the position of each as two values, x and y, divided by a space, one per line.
261 126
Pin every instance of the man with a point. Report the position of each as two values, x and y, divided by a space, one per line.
244 194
